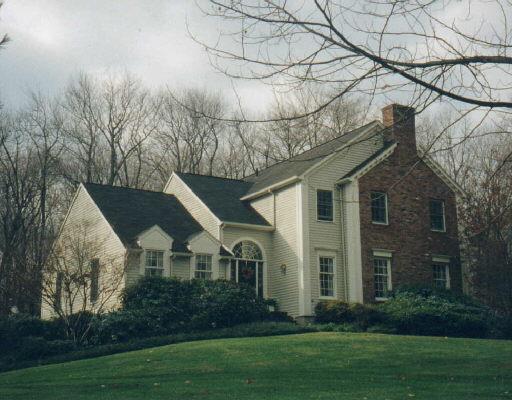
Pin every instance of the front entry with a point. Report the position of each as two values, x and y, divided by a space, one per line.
247 266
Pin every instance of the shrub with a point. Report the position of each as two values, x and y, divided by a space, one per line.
430 313
334 311
339 312
14 328
161 306
225 303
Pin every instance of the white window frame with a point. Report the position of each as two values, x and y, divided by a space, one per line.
444 216
383 255
445 261
333 257
209 257
331 221
157 268
386 206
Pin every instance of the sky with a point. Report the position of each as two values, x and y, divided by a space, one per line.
52 41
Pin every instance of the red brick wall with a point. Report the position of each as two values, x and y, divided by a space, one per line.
408 234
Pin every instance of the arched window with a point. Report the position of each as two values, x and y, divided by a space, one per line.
247 266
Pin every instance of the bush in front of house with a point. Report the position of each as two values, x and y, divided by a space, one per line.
436 313
339 312
415 311
161 306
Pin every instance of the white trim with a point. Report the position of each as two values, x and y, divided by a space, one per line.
306 245
353 230
334 275
367 168
104 218
266 228
155 227
295 178
383 255
332 205
192 193
264 262
371 126
444 215
445 260
387 209
268 189
303 274
194 265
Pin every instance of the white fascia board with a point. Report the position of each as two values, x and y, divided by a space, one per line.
194 195
155 228
372 126
104 218
266 228
269 189
369 166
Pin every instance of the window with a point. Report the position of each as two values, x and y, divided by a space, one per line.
203 266
247 265
437 215
95 276
379 207
154 263
324 205
441 275
381 277
326 269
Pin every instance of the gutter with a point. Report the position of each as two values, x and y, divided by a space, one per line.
265 228
270 188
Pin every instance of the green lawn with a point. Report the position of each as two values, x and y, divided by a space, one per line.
307 366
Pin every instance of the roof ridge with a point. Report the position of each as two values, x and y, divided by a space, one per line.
311 148
126 188
210 176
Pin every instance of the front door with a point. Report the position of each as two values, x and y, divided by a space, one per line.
248 272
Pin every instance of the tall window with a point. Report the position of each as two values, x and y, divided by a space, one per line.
203 266
324 205
154 263
379 207
95 277
441 275
326 269
247 265
381 277
437 220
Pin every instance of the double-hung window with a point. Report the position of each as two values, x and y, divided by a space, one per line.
381 277
324 205
154 263
327 272
441 274
379 205
437 218
95 279
203 268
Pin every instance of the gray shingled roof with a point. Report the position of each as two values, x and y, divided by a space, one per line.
299 164
369 159
132 211
222 197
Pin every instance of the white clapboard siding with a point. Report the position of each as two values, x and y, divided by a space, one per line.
84 212
193 205
326 237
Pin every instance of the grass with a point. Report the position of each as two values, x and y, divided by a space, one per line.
307 366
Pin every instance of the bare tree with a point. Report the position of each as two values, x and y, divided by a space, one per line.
187 140
430 49
79 276
108 123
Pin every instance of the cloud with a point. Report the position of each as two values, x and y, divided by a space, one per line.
53 40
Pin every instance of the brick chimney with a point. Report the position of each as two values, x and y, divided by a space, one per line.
401 128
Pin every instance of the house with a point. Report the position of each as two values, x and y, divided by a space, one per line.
349 219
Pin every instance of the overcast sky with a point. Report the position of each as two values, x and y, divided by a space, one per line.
53 40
